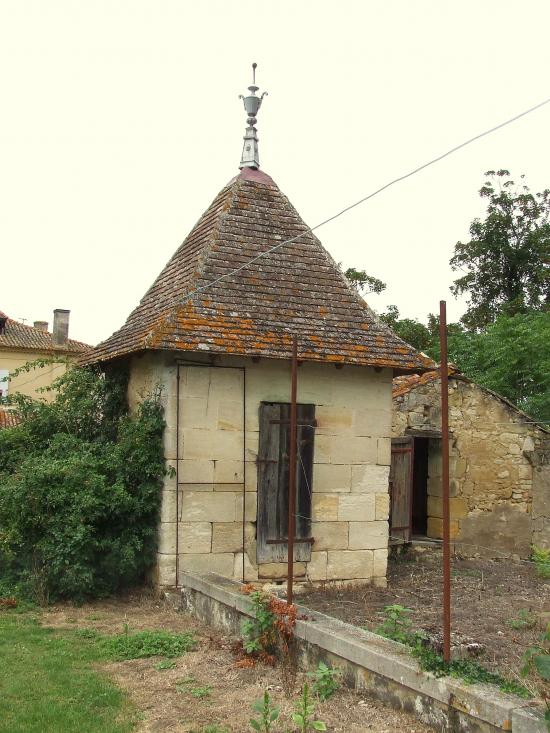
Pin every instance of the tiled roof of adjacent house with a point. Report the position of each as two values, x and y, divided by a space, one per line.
20 336
8 418
404 384
407 382
297 289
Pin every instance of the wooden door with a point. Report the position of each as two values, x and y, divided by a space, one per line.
401 485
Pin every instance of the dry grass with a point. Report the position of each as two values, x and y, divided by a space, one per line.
170 707
486 597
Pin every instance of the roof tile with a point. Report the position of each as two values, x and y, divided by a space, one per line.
8 418
296 289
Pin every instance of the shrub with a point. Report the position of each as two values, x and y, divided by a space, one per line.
80 489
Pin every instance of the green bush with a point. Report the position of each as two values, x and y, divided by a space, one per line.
80 489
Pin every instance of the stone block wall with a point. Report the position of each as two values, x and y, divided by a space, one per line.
540 461
491 476
216 481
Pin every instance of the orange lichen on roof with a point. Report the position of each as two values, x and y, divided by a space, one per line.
405 383
257 297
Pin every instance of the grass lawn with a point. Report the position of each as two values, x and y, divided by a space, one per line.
48 682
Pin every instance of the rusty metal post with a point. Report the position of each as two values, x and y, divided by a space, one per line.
292 470
444 371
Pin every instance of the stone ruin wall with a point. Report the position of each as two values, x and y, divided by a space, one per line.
540 460
493 497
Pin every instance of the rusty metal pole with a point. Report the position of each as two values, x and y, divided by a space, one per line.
292 470
444 371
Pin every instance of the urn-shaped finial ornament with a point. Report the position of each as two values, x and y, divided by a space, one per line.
252 103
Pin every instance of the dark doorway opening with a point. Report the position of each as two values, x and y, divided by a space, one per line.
420 487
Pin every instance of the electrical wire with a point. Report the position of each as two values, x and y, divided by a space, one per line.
343 211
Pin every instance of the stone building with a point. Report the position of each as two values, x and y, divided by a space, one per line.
20 344
498 465
215 331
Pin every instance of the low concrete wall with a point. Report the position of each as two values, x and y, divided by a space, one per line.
378 666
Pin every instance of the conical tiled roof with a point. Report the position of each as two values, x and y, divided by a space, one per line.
297 289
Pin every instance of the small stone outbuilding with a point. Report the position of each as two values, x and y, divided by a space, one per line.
498 464
215 332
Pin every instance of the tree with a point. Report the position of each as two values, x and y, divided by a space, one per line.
364 283
513 358
409 329
507 260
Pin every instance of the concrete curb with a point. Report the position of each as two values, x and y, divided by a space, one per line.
382 667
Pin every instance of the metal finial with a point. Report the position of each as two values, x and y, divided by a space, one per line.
252 103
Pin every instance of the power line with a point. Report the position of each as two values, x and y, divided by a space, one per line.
371 195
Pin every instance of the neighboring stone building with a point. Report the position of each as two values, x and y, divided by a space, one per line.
499 467
215 332
20 344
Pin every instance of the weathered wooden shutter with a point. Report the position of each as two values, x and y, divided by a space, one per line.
401 478
273 475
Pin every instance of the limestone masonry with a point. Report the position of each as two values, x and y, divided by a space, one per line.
499 465
217 444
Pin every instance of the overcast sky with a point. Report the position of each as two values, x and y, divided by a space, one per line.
120 122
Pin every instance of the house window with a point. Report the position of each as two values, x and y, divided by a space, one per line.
4 383
273 479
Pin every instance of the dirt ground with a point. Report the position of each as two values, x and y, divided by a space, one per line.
164 707
486 596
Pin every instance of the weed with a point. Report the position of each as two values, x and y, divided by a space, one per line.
541 558
270 634
304 712
142 644
259 632
165 664
185 686
537 659
285 621
201 692
325 681
467 670
212 728
525 620
397 625
268 714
